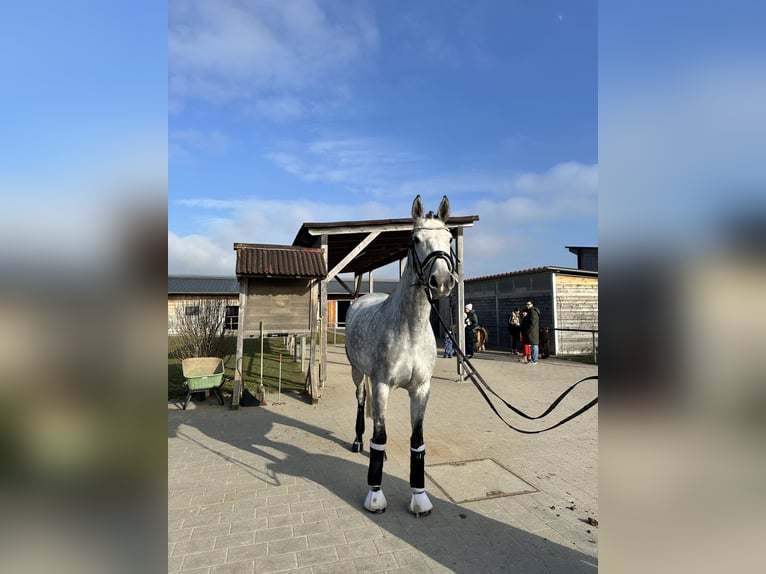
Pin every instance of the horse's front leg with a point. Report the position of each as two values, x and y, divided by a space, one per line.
376 500
358 378
420 504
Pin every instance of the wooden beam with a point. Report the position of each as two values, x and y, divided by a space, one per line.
345 285
351 254
348 229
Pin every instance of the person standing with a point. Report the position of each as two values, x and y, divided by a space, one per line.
526 349
471 324
514 327
530 328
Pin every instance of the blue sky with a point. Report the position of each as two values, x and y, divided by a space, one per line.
287 112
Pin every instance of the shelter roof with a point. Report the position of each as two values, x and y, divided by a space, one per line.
389 246
254 260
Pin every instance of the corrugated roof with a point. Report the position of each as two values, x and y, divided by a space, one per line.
536 270
195 284
256 260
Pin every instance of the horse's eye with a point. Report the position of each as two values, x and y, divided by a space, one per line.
415 239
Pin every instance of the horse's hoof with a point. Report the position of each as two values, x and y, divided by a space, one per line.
356 446
376 501
420 504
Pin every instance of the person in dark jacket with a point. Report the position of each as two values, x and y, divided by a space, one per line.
530 327
471 324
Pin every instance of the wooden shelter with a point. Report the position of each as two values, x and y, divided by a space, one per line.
360 247
278 293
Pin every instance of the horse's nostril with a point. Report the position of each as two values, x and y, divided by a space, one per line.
433 281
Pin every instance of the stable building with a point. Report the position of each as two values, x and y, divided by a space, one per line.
567 299
187 293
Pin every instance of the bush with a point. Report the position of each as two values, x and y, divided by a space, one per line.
200 327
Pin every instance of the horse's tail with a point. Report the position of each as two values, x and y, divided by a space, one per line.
368 396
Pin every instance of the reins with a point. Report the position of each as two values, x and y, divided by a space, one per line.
479 382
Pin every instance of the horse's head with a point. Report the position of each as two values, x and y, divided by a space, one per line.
430 249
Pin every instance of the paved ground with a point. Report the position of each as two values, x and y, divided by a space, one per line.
276 488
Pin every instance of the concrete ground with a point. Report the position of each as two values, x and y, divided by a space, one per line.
277 489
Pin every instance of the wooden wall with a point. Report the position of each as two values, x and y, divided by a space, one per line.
284 305
577 308
176 301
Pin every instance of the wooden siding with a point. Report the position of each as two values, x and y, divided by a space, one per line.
284 305
176 301
577 308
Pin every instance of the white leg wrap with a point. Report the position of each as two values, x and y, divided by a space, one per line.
375 501
420 503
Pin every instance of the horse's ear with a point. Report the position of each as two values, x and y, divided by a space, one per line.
443 209
417 208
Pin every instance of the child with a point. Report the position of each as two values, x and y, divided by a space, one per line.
448 346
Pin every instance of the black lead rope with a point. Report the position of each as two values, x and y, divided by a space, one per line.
473 374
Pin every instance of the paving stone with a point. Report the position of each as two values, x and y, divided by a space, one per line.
239 539
245 567
249 552
278 563
203 559
277 489
317 556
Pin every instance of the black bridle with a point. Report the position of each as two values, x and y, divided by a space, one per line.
424 268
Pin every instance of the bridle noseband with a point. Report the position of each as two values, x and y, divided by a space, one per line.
423 268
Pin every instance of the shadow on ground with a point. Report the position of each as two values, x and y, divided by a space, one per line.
454 536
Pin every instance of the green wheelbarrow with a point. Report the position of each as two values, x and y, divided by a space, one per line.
202 374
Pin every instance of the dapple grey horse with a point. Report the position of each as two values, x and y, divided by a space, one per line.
390 344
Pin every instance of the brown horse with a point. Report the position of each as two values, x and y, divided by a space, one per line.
482 334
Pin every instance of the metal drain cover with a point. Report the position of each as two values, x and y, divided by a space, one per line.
471 480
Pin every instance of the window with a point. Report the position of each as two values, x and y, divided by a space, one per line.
232 317
191 310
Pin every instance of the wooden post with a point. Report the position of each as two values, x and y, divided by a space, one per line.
323 314
460 324
595 358
312 377
260 329
236 392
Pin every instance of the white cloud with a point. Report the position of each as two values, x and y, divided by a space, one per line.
183 142
572 176
210 203
271 56
516 229
361 162
195 254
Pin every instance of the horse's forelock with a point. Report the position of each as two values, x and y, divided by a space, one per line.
429 224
